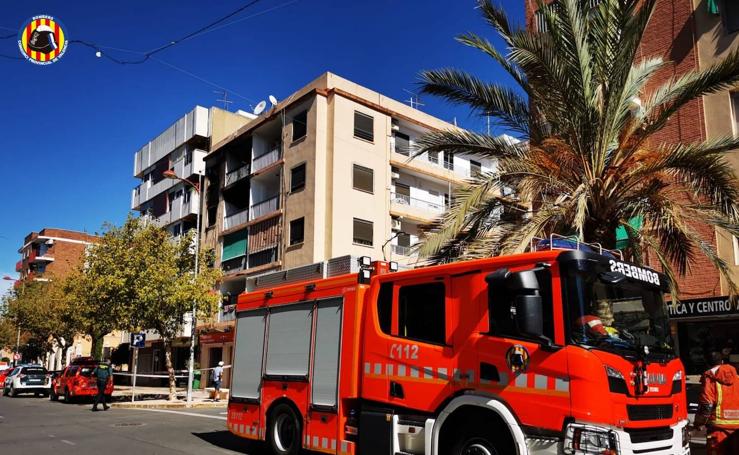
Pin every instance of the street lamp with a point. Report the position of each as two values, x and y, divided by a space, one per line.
170 174
18 337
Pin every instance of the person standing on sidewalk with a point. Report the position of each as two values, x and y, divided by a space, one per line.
102 373
217 377
719 407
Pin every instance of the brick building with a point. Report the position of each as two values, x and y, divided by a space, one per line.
692 35
52 254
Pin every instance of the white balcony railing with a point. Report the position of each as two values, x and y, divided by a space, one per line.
402 250
264 207
236 219
265 160
404 199
238 174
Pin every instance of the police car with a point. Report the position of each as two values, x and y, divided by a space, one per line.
27 379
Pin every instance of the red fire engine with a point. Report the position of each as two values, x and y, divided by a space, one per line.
547 352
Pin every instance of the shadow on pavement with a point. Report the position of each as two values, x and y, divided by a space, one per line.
226 440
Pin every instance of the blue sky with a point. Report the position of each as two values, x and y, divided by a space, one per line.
68 131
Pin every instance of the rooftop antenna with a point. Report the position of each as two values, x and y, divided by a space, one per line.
272 100
260 107
414 100
224 99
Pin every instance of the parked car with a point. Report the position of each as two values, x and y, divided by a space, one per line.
27 379
4 374
76 380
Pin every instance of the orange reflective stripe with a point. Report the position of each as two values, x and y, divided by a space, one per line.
719 420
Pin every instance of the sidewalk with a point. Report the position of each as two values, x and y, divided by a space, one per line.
156 397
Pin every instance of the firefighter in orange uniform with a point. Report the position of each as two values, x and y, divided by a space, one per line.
719 408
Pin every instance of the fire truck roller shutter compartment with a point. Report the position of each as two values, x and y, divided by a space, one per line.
248 361
288 348
326 356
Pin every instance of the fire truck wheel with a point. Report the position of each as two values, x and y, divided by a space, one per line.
284 430
475 445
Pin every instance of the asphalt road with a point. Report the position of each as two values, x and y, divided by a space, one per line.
37 426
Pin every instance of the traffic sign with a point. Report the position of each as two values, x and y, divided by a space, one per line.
138 340
16 356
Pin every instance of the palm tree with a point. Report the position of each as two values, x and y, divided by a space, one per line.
587 111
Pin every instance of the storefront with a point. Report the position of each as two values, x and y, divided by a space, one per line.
704 325
216 346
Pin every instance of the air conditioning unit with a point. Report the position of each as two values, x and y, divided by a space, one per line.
395 224
394 175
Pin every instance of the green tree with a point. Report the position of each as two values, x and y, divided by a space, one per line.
167 287
586 107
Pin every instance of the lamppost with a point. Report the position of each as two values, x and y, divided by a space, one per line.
170 174
18 337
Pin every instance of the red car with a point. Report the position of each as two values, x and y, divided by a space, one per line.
4 373
76 380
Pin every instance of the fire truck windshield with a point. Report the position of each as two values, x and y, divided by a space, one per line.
619 315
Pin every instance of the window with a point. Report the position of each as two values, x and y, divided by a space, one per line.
736 249
735 112
449 160
434 157
475 168
234 245
363 179
385 307
177 230
364 126
187 194
402 144
297 228
362 232
212 214
297 178
188 157
300 125
730 15
502 320
421 312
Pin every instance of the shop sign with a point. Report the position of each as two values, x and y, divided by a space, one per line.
216 337
708 306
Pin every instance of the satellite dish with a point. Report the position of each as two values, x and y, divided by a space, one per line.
273 100
260 107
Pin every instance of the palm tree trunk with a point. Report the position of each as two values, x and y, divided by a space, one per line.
170 370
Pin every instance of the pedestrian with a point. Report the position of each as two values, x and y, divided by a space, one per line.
217 376
102 373
719 407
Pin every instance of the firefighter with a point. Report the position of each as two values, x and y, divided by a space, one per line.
601 323
719 407
102 373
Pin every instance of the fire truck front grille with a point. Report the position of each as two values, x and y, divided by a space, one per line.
649 412
641 435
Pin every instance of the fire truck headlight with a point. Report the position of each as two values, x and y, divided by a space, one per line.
616 381
677 382
582 439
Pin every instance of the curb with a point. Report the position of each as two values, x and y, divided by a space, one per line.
143 405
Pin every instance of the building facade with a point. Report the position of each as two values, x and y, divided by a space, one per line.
52 254
323 174
692 35
174 204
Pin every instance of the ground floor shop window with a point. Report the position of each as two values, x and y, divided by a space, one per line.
697 339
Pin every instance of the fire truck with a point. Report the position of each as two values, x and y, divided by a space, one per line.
553 351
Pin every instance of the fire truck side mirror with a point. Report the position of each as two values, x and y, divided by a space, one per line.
522 292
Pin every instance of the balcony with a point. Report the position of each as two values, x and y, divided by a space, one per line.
19 266
431 166
238 174
181 167
266 160
418 209
264 207
401 250
35 257
236 219
179 210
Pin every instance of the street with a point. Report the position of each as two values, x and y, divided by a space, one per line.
37 426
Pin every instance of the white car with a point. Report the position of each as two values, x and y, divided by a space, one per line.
27 379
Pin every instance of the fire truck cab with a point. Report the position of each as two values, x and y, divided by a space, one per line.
547 352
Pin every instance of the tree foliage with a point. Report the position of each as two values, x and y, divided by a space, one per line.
587 107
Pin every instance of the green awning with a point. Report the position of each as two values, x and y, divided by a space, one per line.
622 235
713 6
234 245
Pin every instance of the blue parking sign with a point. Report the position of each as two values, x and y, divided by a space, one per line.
138 340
